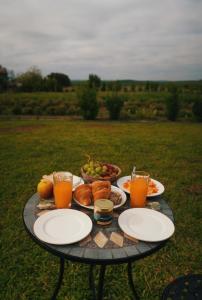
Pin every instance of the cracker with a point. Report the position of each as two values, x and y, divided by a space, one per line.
131 238
117 239
100 239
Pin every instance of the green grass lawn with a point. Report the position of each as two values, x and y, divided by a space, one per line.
171 152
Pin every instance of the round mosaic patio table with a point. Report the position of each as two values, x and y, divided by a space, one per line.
87 251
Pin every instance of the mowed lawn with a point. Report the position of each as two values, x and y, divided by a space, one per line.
171 152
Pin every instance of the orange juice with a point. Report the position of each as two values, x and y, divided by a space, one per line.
138 190
63 194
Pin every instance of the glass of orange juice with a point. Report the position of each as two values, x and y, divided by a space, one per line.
63 182
138 188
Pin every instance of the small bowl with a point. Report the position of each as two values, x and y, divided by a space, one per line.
89 179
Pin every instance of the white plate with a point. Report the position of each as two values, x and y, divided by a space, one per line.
114 189
146 224
76 180
158 184
62 226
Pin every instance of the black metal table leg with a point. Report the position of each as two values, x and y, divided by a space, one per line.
58 285
92 282
130 280
97 295
101 282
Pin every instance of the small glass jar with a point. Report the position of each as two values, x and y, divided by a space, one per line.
103 211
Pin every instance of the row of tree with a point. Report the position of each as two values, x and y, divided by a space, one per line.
114 103
33 81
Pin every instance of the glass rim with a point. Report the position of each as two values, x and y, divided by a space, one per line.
64 173
62 176
141 173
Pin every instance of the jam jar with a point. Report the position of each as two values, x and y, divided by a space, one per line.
103 211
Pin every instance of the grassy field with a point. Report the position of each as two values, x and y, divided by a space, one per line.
171 152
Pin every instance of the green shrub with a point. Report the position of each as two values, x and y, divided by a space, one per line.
114 104
27 110
17 109
172 104
197 108
88 103
51 110
38 110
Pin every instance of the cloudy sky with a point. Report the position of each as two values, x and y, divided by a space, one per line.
115 39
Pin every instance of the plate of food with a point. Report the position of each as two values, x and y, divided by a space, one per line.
155 188
86 194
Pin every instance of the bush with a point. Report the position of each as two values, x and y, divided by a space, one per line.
28 110
17 109
172 104
88 103
197 108
114 104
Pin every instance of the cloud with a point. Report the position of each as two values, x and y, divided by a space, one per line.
138 39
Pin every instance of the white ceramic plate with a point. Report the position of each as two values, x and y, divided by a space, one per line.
76 180
114 189
62 226
158 184
146 224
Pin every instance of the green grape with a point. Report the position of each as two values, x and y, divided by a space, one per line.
91 163
85 167
98 170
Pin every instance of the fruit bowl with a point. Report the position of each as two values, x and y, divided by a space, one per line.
112 173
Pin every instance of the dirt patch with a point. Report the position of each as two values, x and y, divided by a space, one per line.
21 128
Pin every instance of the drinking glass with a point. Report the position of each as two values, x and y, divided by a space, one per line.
63 182
139 188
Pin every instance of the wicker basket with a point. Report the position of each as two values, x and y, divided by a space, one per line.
88 178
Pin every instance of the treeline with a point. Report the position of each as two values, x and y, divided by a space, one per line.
33 81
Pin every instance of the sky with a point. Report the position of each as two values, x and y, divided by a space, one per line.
115 39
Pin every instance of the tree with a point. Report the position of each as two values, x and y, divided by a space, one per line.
62 80
31 80
49 84
114 104
94 81
197 108
88 103
3 79
172 104
103 87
